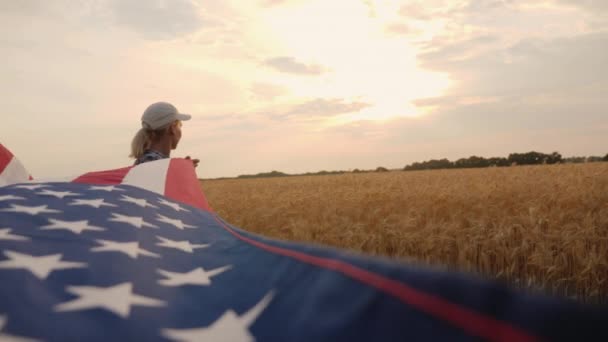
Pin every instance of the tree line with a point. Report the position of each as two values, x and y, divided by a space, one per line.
528 158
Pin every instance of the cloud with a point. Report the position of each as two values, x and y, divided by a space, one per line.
487 5
591 5
439 9
325 107
292 66
438 50
158 20
546 94
416 11
529 66
403 29
427 10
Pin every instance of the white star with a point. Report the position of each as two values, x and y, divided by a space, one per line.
135 221
40 266
75 227
31 186
10 198
139 201
181 245
11 338
108 188
95 203
30 210
175 206
174 222
129 248
229 327
58 194
197 276
117 299
5 234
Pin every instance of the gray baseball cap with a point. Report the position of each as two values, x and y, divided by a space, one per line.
161 114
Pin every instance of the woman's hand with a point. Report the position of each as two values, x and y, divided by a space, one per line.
194 161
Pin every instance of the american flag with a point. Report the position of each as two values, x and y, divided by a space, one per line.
137 254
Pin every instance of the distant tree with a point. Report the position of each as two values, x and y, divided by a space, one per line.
440 164
413 166
516 158
432 164
357 171
594 159
605 157
528 158
322 173
498 161
265 175
472 161
533 158
553 158
381 169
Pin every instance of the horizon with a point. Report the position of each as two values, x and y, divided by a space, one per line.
581 159
301 86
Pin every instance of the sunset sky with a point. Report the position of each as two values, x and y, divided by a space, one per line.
303 85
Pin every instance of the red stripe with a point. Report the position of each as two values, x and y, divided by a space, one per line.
471 322
109 177
183 185
5 157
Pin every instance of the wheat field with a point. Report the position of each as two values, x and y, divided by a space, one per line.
539 228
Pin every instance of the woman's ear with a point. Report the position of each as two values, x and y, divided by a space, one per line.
173 128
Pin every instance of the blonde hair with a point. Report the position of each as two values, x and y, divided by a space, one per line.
144 138
140 143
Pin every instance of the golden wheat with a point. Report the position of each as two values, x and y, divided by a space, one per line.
536 227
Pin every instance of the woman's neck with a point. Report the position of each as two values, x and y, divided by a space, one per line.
163 147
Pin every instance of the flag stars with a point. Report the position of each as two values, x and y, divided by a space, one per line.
229 327
173 205
197 276
31 186
174 222
42 209
138 201
5 234
11 198
39 266
117 299
129 248
185 246
58 194
95 203
135 221
75 227
107 188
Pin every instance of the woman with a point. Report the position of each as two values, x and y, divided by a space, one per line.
160 133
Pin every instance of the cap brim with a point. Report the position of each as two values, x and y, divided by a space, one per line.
183 117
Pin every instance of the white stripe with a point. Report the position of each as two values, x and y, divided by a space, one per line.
54 180
13 173
150 176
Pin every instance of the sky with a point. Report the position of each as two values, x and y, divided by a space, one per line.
303 85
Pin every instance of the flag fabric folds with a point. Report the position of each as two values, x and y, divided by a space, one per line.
137 254
11 169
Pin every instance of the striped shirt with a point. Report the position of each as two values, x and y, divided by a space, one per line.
150 155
